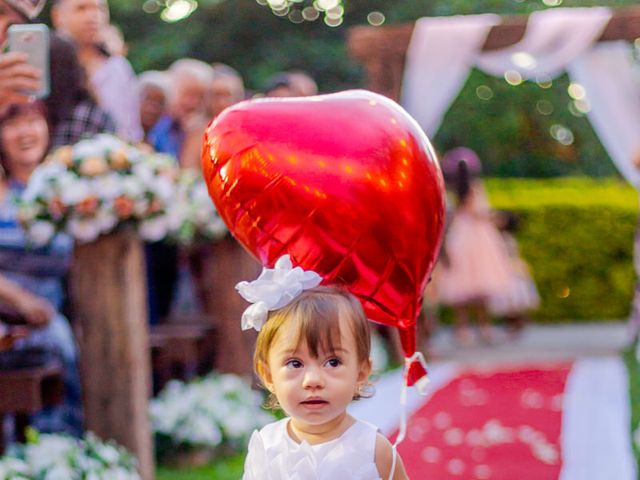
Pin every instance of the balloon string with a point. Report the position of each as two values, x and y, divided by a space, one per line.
417 356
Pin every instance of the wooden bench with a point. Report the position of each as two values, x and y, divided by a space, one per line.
25 391
180 348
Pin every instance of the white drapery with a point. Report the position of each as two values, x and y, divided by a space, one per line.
444 49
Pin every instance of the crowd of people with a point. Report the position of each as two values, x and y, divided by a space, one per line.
93 89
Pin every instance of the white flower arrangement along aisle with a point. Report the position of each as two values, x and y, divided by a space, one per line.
101 184
206 413
47 456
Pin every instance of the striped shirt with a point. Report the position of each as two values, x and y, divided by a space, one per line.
38 270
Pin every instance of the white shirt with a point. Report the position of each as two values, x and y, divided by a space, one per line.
274 455
116 87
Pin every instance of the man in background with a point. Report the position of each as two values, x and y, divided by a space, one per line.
227 88
16 76
111 77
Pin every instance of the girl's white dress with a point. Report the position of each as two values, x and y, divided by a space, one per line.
274 455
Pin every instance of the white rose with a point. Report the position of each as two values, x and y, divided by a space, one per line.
108 186
154 229
41 232
83 230
74 193
132 187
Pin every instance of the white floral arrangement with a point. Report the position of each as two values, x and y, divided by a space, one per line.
52 457
99 184
193 215
212 411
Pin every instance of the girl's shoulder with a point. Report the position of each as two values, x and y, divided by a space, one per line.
384 459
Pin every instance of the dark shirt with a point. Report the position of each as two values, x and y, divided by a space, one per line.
85 120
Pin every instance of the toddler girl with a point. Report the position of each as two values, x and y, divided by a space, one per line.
312 354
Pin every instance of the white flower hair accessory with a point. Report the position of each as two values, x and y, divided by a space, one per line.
274 289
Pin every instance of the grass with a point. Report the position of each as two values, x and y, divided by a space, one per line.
633 366
227 468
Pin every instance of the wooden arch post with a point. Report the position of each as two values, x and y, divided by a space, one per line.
383 50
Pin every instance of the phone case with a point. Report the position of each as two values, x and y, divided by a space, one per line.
33 40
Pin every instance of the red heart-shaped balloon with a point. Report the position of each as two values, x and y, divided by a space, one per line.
346 183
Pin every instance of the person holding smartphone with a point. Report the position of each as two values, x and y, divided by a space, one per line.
16 76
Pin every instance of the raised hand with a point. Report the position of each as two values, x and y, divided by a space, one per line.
17 78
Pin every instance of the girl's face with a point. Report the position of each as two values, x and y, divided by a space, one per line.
314 391
24 140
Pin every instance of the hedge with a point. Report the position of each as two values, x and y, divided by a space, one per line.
577 236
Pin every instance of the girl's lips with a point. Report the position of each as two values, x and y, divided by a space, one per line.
314 403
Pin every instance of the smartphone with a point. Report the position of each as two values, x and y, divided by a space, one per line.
33 39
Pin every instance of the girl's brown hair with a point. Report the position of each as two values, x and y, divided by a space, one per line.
316 315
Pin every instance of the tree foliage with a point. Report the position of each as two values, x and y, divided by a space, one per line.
508 131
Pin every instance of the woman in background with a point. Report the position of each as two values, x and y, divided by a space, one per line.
31 279
72 111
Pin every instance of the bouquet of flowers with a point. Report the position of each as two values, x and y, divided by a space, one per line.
212 411
48 456
193 216
92 187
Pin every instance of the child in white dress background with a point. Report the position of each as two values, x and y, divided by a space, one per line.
312 354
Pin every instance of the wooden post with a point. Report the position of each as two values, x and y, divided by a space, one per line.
221 265
108 289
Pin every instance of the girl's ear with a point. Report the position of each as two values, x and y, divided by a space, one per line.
365 371
265 375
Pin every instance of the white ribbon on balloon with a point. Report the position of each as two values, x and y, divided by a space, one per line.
421 385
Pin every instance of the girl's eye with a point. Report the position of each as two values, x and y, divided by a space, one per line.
333 362
293 364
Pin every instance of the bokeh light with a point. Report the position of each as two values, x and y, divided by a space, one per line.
376 18
524 60
299 11
561 134
552 3
484 92
544 82
513 77
544 107
151 6
333 22
583 105
310 14
177 10
296 16
576 91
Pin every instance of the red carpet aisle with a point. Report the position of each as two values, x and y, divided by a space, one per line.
542 421
496 425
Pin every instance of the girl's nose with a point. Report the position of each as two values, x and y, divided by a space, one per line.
312 378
